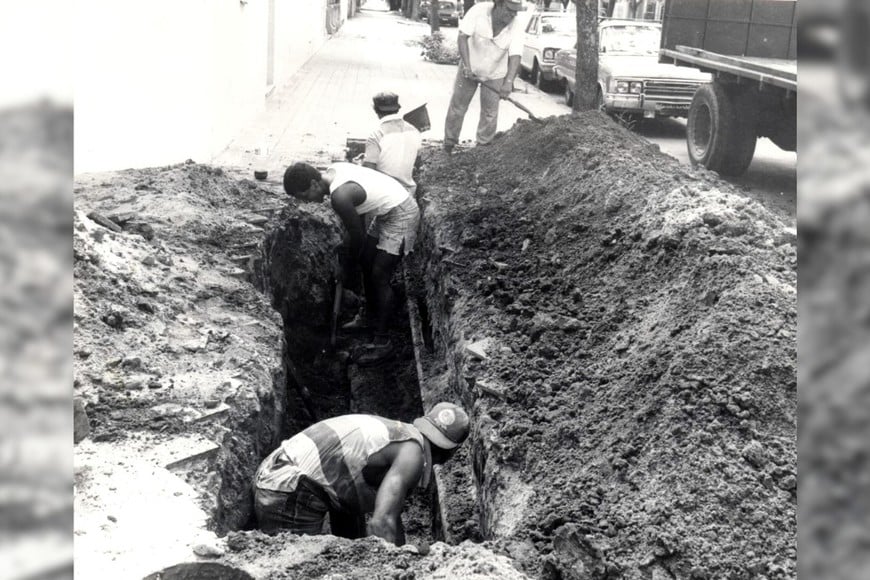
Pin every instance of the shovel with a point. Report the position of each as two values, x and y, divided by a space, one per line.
515 103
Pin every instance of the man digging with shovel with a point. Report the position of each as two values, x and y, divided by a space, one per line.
490 46
356 192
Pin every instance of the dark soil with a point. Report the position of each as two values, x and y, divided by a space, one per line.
642 327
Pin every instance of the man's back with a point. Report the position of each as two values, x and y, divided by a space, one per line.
335 454
392 148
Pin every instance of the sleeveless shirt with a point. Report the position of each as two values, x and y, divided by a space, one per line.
333 453
383 192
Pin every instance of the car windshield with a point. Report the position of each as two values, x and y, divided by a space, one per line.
557 25
631 39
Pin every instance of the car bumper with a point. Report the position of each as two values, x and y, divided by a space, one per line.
547 72
649 107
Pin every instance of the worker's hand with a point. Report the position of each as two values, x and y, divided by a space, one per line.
466 72
506 88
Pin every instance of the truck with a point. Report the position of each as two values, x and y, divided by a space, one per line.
749 47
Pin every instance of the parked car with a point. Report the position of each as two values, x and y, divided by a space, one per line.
449 11
630 78
546 34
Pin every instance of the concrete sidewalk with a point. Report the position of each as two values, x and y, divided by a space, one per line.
329 100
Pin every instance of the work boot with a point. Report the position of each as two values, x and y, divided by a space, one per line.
374 353
360 323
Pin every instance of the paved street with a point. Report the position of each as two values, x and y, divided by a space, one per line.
329 100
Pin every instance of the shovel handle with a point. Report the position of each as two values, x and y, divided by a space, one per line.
515 103
336 310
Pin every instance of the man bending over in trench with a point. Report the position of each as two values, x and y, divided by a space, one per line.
356 192
352 465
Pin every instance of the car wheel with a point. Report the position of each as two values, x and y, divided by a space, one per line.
599 101
542 83
533 76
569 95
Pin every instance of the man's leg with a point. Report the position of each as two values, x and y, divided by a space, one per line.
463 91
367 313
382 272
489 103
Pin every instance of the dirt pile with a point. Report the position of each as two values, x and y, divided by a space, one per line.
633 372
176 357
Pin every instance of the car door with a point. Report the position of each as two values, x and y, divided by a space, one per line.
529 43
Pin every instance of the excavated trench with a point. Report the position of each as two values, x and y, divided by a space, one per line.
621 335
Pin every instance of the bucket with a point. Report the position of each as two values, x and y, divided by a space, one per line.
419 117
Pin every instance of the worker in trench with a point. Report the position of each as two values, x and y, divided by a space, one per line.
356 192
392 148
353 465
490 45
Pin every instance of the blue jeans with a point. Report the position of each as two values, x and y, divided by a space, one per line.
463 92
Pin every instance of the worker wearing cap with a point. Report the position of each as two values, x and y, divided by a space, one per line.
392 148
490 46
353 465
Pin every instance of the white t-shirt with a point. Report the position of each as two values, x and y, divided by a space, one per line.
488 54
393 148
383 192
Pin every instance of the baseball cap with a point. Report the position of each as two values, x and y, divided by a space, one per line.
446 425
386 102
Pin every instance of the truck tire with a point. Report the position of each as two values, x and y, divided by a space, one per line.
721 129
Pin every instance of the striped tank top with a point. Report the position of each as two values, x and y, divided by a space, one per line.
333 453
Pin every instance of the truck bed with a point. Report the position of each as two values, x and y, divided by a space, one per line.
775 71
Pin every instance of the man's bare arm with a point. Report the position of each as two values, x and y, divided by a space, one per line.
344 202
464 59
403 475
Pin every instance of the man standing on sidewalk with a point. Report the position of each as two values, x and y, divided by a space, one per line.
392 148
355 192
490 46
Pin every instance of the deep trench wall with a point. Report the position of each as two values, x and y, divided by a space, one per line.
639 321
296 270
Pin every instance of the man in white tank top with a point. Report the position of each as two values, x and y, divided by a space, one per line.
355 192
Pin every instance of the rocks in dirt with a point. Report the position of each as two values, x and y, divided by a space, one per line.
238 541
104 221
576 556
81 424
208 550
754 454
478 349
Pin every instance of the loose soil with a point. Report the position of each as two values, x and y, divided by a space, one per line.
621 328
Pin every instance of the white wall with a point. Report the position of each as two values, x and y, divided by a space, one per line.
162 81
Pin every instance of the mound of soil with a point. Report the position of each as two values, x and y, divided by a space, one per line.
635 400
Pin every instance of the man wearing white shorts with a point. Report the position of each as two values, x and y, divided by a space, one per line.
355 192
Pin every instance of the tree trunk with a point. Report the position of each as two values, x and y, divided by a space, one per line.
586 68
434 25
415 10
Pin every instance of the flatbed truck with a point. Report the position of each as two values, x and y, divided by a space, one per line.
750 49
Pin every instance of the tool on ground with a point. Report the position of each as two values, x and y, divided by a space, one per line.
516 104
336 310
301 390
